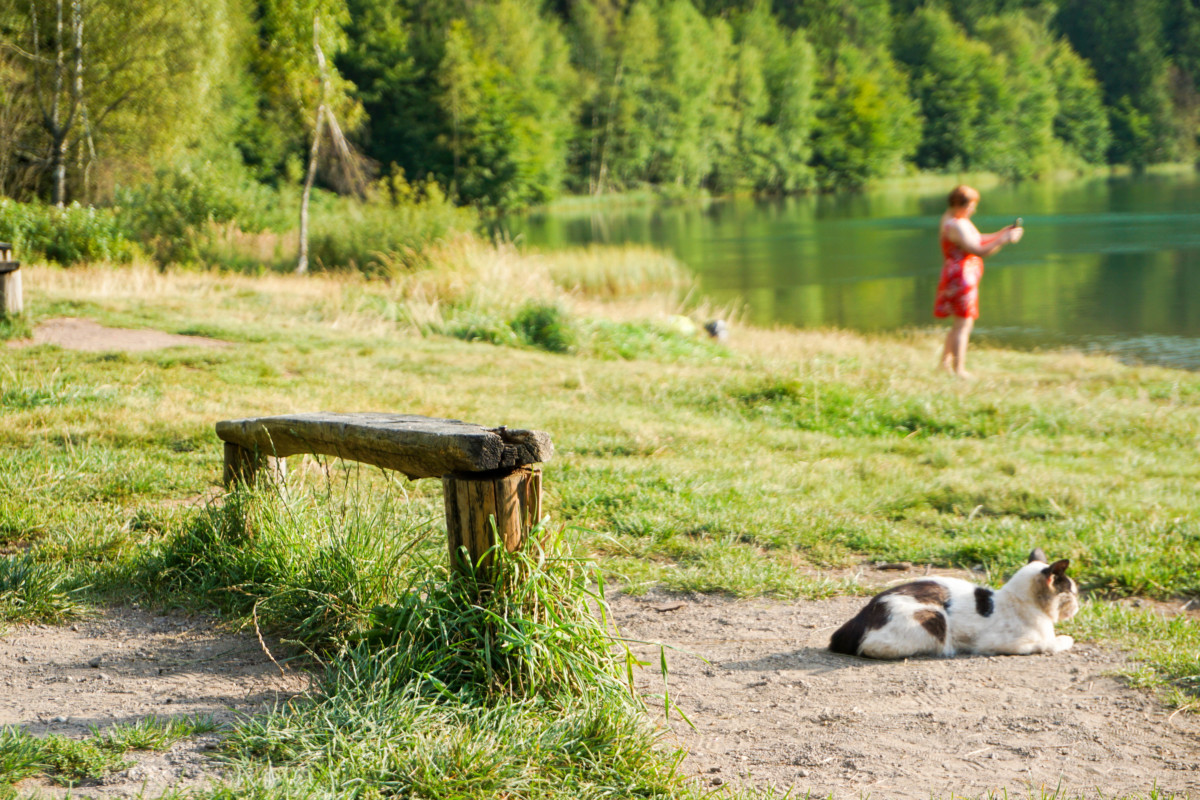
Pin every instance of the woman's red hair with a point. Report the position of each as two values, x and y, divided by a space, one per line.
962 195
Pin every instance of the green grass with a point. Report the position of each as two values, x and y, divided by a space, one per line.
152 733
14 327
768 467
1168 647
70 762
33 591
457 691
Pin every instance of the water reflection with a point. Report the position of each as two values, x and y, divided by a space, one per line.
1108 265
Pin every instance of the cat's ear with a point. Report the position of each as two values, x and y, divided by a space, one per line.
1055 570
1038 555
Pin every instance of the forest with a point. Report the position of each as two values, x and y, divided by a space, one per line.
211 110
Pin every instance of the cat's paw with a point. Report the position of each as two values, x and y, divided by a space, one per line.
1063 642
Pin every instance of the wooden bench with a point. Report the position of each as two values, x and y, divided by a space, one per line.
491 477
11 301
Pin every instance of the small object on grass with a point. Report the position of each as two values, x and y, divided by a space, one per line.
717 329
681 325
896 565
670 607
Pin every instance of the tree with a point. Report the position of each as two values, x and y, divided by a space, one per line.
964 95
689 103
1080 122
626 92
112 82
304 91
867 126
774 96
324 117
506 90
1125 44
596 30
864 25
392 61
17 122
1023 48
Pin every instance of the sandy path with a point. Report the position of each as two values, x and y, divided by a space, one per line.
145 665
73 333
773 706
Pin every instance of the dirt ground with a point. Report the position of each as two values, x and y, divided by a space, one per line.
85 334
127 664
772 706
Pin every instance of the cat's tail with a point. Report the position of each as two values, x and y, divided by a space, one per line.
849 638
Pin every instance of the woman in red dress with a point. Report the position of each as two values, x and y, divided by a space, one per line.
963 249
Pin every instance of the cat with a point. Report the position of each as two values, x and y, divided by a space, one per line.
943 616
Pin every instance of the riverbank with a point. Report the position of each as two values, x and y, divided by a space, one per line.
933 183
775 464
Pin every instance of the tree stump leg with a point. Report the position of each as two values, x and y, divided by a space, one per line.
11 302
486 509
244 466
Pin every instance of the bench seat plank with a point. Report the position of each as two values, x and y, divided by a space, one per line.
419 447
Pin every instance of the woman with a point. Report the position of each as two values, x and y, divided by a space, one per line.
963 248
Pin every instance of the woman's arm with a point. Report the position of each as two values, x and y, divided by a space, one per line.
967 236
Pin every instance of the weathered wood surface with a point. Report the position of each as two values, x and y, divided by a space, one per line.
11 299
513 501
246 466
419 447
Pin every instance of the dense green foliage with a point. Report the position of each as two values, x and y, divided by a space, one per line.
512 103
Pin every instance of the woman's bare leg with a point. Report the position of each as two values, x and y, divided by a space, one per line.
954 356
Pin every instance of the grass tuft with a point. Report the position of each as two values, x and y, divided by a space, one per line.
308 564
470 689
152 733
530 628
35 591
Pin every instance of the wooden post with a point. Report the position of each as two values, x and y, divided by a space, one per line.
11 302
487 509
242 465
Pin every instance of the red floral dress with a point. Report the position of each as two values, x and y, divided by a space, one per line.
958 290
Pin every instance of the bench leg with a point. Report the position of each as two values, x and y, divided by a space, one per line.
473 501
11 302
243 466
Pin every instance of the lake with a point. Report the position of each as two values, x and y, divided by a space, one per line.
1107 264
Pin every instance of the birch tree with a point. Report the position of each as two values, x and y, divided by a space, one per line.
106 79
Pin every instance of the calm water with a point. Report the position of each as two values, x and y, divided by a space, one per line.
1106 264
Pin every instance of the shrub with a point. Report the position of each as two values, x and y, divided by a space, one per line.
387 234
68 235
477 327
171 213
545 327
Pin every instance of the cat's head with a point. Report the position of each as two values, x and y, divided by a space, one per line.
1053 590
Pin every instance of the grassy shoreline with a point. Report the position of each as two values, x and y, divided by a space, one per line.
762 467
931 183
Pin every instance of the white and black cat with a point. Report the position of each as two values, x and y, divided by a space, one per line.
943 616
